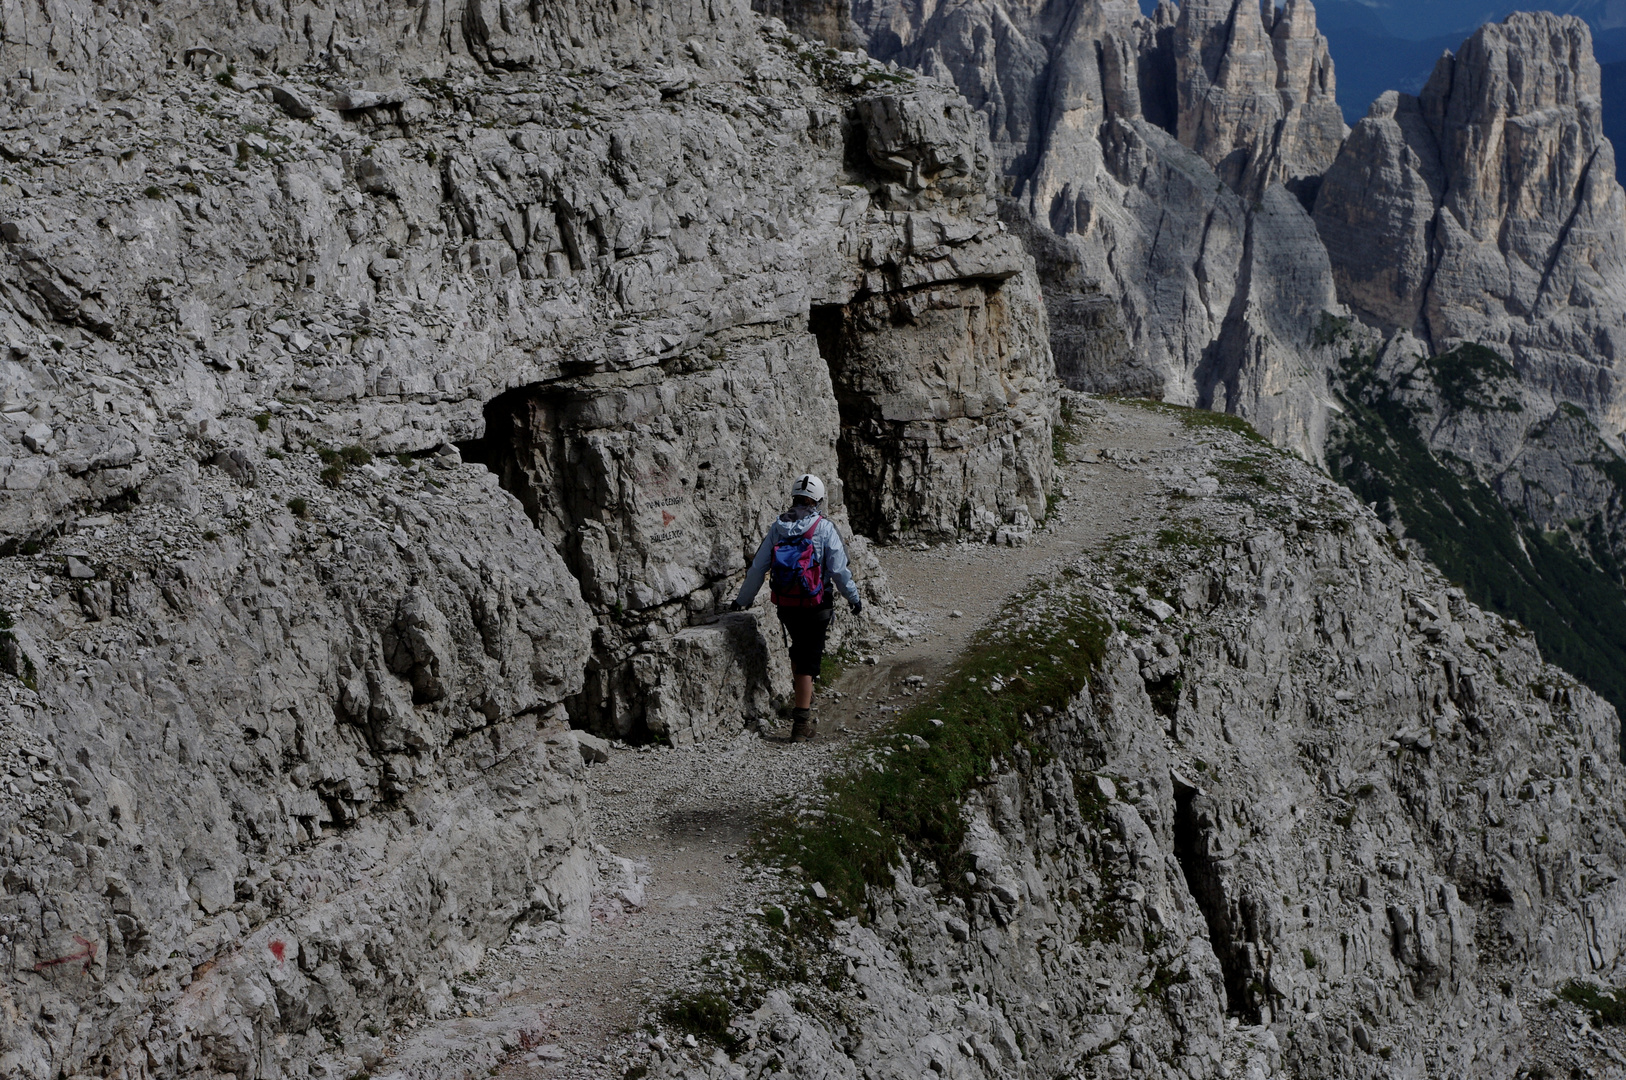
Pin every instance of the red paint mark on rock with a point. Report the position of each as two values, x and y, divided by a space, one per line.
667 519
87 953
279 949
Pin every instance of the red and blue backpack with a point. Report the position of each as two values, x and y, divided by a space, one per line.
797 575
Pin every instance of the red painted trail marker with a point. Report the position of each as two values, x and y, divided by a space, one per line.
87 954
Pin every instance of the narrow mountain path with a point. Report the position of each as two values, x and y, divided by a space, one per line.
671 824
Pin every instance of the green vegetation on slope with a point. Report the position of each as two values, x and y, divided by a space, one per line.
1572 604
905 800
1608 1007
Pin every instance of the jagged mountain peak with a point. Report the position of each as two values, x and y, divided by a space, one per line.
1256 91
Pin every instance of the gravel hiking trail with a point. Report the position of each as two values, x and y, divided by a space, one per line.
670 824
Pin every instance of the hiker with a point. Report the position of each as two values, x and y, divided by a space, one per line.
804 553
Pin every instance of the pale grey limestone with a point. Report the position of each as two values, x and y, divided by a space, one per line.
1486 210
308 740
1369 831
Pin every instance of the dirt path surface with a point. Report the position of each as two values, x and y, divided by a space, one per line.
671 824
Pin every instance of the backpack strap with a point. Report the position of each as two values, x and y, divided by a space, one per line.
808 535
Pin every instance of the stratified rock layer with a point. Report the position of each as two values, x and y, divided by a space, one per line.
384 394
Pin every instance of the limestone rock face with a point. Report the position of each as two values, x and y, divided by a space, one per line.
249 726
1143 146
1486 210
1256 98
1387 183
382 395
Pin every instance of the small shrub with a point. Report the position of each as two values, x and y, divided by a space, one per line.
153 192
340 462
299 507
705 1015
1065 433
263 421
1309 960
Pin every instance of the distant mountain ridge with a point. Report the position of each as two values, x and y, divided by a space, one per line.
1394 47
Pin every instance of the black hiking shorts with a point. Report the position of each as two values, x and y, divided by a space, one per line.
807 627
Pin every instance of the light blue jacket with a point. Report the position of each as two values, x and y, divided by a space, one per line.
826 546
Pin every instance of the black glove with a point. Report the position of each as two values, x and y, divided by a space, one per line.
856 606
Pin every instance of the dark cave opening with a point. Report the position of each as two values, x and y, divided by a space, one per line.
860 479
526 446
1243 995
523 447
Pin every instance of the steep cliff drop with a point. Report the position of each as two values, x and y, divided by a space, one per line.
1488 420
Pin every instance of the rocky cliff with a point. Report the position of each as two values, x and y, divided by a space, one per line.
391 400
1152 153
1480 226
1313 813
1208 234
384 396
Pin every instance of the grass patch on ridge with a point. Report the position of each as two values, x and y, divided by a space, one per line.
1198 419
1040 652
1608 1007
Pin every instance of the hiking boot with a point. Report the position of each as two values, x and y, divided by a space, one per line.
803 727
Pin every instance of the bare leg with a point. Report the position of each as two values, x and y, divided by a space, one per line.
804 691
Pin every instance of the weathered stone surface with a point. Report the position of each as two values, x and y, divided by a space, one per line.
1486 210
309 670
1513 239
1256 92
1144 146
716 677
1386 183
1365 820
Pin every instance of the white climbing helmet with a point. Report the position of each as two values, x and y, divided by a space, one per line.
808 486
